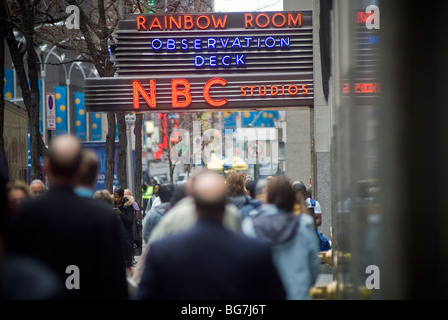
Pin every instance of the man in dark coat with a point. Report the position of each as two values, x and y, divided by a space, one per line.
79 238
208 262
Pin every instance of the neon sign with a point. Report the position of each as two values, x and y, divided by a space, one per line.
210 61
212 45
181 95
362 88
291 89
180 22
206 92
219 43
217 21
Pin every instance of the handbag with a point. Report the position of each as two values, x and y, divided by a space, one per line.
324 243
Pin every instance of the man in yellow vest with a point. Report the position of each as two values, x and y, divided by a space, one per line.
146 196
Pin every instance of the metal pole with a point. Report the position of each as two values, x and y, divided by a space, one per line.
69 118
44 107
130 120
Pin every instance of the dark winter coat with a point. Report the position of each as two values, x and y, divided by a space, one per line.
127 218
60 229
208 262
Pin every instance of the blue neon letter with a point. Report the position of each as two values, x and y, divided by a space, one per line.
224 62
211 43
197 44
154 46
239 59
212 61
184 43
224 43
170 44
236 42
199 61
266 42
284 41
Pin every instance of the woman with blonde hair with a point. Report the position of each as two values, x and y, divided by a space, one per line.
104 195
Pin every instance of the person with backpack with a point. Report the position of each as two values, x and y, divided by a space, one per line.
315 208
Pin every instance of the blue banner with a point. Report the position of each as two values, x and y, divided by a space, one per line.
8 86
230 120
61 109
80 116
259 119
96 127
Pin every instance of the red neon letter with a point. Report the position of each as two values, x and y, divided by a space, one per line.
293 22
138 88
141 22
207 97
207 21
258 22
361 17
177 23
219 23
248 20
155 24
305 89
183 92
294 87
188 20
251 90
278 25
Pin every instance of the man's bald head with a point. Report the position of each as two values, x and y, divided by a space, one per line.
64 157
210 195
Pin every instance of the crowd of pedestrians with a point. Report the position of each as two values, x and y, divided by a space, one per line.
214 237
